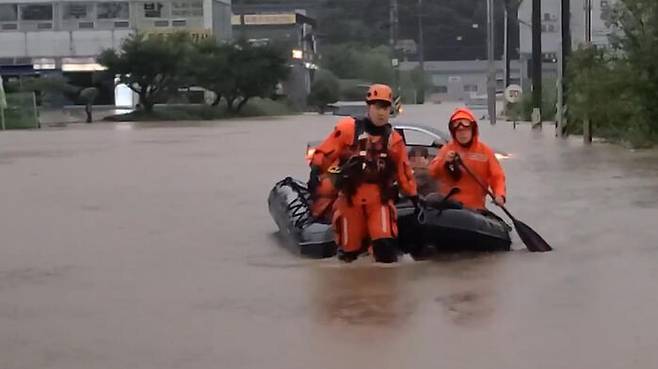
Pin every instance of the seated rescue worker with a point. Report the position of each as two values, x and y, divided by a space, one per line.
477 156
363 158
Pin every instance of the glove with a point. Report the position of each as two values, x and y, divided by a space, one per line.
313 180
453 169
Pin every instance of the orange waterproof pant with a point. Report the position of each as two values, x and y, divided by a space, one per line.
323 199
360 221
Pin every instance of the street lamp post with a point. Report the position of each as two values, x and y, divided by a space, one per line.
587 123
536 64
491 80
421 50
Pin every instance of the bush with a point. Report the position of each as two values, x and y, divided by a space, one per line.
523 109
617 88
414 83
353 61
254 108
324 90
155 67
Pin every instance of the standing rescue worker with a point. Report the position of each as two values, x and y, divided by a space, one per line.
364 157
476 156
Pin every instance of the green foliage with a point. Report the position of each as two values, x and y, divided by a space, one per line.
210 67
353 61
47 89
617 88
255 107
414 83
523 109
324 90
155 67
20 112
149 65
257 71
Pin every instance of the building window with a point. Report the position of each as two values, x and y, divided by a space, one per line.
121 24
187 9
179 23
8 13
470 88
86 25
547 16
113 10
78 11
441 89
161 23
37 12
44 26
551 28
154 10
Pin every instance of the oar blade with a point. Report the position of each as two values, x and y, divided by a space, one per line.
533 241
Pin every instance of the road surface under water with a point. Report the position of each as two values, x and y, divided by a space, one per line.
150 246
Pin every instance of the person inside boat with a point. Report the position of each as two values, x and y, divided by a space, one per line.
419 159
364 157
476 155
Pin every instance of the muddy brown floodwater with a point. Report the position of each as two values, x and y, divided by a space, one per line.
150 246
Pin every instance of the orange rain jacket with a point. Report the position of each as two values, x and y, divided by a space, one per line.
479 158
338 146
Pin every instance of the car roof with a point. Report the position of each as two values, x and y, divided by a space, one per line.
434 131
430 129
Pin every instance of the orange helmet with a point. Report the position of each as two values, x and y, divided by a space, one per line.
378 92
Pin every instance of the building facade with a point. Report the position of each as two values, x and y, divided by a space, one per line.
65 37
291 30
464 80
551 30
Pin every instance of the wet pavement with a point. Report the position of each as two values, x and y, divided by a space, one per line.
150 246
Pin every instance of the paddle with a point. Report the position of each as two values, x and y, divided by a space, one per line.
533 241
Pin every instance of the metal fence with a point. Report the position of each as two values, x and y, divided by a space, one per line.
21 112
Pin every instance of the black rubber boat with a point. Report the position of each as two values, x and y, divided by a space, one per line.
446 227
289 206
440 227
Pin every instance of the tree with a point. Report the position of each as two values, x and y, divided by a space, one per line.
354 61
237 72
324 90
210 68
617 88
415 80
257 71
149 65
636 47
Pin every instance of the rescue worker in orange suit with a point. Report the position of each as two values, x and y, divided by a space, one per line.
476 156
364 158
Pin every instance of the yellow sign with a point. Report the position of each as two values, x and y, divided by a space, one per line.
263 19
196 34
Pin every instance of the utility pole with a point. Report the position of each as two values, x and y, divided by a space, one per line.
506 55
491 80
536 64
587 123
394 42
565 20
421 50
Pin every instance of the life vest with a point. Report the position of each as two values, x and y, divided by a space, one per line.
367 160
